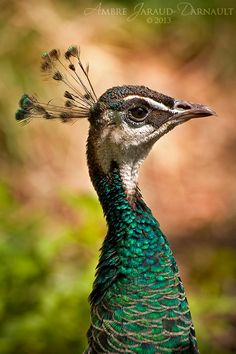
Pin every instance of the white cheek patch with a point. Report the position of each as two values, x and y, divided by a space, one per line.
128 146
125 135
135 136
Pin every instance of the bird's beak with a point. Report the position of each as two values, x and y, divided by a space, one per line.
184 110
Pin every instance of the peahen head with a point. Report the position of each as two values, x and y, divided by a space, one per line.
125 121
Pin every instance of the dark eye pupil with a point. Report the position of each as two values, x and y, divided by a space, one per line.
138 112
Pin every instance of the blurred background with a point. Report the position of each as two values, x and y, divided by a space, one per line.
51 225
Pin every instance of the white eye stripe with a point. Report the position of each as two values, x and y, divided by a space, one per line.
150 101
154 104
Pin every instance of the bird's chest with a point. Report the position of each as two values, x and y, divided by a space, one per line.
144 310
146 272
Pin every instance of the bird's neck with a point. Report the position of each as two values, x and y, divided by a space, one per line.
133 239
115 185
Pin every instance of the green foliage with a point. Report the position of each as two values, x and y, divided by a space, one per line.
45 279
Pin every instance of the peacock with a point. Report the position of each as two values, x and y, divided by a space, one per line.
138 302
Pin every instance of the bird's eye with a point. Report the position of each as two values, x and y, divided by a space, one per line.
138 113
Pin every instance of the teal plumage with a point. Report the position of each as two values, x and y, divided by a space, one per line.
138 303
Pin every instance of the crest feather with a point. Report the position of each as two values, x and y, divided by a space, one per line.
80 93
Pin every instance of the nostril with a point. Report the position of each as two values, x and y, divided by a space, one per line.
183 105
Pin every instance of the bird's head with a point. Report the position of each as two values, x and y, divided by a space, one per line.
125 121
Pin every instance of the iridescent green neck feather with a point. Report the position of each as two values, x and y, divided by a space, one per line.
138 304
